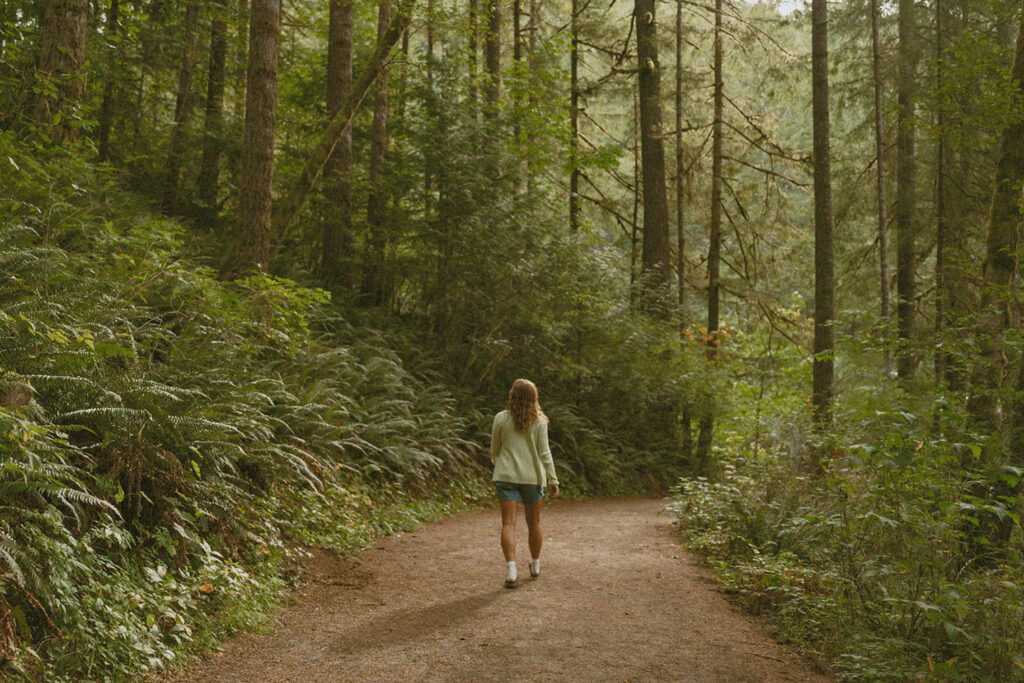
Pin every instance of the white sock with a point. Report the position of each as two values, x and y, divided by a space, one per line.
511 571
535 566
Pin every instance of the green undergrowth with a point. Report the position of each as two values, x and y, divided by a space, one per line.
170 442
875 563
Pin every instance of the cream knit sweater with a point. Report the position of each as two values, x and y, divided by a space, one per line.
521 458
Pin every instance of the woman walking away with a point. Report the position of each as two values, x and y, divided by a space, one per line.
522 468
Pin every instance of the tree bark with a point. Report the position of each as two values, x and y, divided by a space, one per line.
106 122
634 237
252 250
213 124
942 279
906 361
656 262
473 48
1000 268
680 233
821 394
706 427
291 206
337 235
182 109
534 28
883 201
686 438
61 68
517 32
492 50
373 266
431 110
715 239
574 118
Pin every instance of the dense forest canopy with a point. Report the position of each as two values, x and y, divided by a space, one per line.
269 267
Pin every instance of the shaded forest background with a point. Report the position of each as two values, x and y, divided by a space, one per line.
269 268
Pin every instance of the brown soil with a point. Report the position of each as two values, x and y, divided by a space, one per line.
618 599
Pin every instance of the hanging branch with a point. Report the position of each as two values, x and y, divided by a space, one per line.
779 151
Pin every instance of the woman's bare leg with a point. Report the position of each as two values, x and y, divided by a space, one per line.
509 512
533 524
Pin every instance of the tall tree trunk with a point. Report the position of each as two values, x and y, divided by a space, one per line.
680 233
240 55
517 57
473 47
941 230
999 271
213 124
574 118
634 237
988 539
106 122
534 28
715 239
182 109
61 68
821 395
534 68
492 50
883 202
298 192
706 428
431 109
337 236
686 438
906 361
252 250
656 261
373 273
517 32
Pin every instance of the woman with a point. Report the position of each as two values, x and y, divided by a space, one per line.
522 468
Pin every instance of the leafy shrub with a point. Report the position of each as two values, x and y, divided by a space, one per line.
156 425
865 564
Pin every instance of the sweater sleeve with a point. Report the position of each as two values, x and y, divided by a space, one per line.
545 452
495 438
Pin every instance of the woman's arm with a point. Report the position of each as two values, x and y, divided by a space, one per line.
544 450
495 438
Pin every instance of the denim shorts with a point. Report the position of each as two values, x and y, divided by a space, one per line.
530 494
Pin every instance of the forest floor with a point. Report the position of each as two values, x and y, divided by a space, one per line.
618 599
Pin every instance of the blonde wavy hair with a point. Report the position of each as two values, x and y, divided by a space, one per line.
524 405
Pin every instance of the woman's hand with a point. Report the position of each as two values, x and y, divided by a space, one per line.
554 491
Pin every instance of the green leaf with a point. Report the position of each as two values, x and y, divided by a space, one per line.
112 350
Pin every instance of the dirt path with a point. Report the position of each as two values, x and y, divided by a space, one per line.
618 600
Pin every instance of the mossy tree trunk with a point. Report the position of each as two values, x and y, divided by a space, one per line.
885 294
61 68
335 257
213 123
252 249
182 108
686 438
655 263
906 178
374 278
706 426
824 311
106 121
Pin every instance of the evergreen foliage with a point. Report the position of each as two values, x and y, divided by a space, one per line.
174 435
153 419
